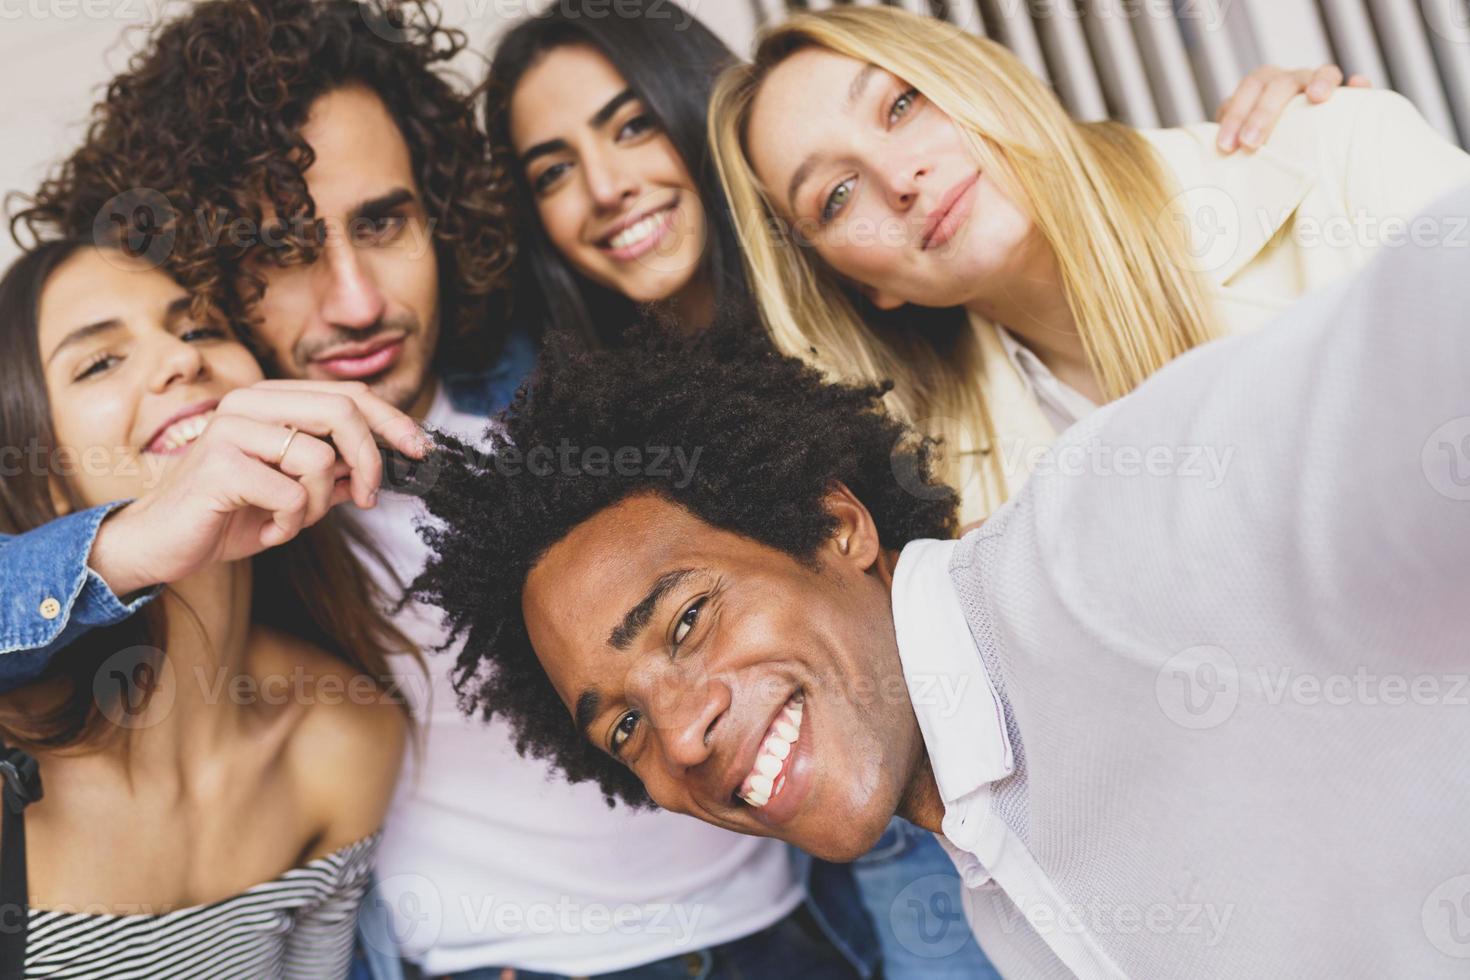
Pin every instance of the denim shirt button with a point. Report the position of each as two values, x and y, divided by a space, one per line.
50 608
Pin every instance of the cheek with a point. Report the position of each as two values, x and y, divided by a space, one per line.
235 366
562 216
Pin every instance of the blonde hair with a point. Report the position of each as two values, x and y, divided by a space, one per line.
1095 191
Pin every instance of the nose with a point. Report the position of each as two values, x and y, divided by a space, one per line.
609 185
683 704
350 297
901 180
179 362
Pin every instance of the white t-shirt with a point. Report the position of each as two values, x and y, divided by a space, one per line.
489 859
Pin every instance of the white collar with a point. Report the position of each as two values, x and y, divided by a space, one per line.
959 714
1064 405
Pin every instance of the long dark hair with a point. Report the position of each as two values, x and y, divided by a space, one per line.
670 60
313 588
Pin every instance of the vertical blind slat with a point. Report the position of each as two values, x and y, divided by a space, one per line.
1449 33
1174 86
1012 26
1071 62
1119 64
1207 39
1353 39
1410 61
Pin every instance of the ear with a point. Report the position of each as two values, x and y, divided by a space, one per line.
855 538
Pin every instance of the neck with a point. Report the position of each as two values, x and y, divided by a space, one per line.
693 307
206 646
921 804
1031 303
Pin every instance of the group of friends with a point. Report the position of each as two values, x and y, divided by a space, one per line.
421 499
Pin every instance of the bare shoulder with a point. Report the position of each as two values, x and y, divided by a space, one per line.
347 747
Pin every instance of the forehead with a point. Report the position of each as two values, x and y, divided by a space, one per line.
90 287
360 152
798 105
560 92
587 581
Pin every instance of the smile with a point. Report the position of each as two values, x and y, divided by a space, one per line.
768 776
642 235
181 433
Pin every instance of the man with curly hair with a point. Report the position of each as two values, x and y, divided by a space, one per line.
309 171
1096 698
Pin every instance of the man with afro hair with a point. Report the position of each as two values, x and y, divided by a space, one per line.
1160 716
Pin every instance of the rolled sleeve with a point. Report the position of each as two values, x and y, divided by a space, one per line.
51 597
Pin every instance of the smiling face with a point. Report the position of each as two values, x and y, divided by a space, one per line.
882 183
742 686
130 377
368 307
614 196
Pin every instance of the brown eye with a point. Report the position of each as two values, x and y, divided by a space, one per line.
687 621
624 730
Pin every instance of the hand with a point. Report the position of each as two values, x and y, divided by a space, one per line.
234 494
1250 114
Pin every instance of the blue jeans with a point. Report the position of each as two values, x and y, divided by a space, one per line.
912 892
794 947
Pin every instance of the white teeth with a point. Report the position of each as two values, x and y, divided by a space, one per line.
777 747
638 233
766 777
185 431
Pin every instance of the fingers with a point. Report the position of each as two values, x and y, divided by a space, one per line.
395 427
1268 109
251 483
1359 81
327 414
244 447
1323 82
1233 112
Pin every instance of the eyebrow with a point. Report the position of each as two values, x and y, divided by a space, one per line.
599 117
174 310
854 93
636 619
589 703
382 205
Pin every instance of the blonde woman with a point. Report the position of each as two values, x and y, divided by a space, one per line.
877 161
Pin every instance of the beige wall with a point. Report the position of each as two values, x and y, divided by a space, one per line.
56 56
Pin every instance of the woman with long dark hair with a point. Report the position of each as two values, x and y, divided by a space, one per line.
217 766
600 117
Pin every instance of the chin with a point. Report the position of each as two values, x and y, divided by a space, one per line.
849 840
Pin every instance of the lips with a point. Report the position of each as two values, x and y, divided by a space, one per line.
363 360
950 213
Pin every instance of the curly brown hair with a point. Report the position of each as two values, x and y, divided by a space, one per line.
203 130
